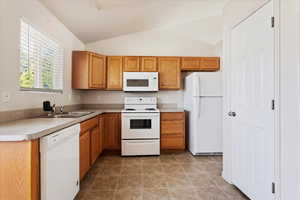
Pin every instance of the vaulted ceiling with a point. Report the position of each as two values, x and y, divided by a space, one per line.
93 20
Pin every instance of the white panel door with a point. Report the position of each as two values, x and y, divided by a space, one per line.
252 94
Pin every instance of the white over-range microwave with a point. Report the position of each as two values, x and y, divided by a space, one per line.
140 81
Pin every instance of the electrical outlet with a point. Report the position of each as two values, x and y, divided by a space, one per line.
5 97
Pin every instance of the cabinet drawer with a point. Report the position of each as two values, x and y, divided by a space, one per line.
175 143
89 124
172 128
172 116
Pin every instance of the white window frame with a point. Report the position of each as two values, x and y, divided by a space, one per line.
43 90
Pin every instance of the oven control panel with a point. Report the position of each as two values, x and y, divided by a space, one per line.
140 100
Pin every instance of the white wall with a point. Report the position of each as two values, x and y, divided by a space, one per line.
34 12
196 38
290 99
173 98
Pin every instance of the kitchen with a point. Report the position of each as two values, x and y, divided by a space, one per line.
145 105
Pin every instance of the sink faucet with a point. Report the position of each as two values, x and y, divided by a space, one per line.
61 109
54 109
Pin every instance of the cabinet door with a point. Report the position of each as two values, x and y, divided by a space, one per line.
131 64
191 63
169 73
148 64
97 71
95 144
84 153
112 134
114 73
210 64
101 132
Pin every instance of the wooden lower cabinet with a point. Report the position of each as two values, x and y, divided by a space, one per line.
84 154
112 133
172 131
101 132
90 144
95 144
20 170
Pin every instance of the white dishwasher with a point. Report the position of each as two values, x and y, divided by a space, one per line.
60 164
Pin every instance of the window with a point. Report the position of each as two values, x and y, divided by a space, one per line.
41 61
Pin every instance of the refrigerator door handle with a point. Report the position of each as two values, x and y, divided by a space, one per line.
199 107
197 86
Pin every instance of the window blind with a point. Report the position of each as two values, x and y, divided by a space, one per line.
41 61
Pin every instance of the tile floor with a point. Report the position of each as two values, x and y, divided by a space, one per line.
171 176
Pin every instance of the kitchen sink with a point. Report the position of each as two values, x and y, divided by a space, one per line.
68 115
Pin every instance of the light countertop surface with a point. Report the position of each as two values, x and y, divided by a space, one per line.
34 128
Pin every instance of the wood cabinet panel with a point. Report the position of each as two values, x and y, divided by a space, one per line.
200 63
148 64
19 174
112 134
190 63
172 116
97 72
84 153
172 128
95 144
101 132
88 70
169 73
114 73
210 64
131 64
172 131
172 143
88 124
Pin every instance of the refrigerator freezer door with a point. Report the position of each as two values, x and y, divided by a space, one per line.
210 84
204 84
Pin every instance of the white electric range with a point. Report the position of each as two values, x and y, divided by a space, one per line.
140 127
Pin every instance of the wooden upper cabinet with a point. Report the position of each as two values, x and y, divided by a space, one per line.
148 64
200 64
114 73
88 70
131 64
169 73
97 71
210 64
190 63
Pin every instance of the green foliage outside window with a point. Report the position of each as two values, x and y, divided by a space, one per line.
27 79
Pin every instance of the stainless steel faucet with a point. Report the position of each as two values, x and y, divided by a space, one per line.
53 109
61 109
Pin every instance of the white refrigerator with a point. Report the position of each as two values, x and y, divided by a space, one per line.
203 103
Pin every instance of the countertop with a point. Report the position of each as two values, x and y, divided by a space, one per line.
30 129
